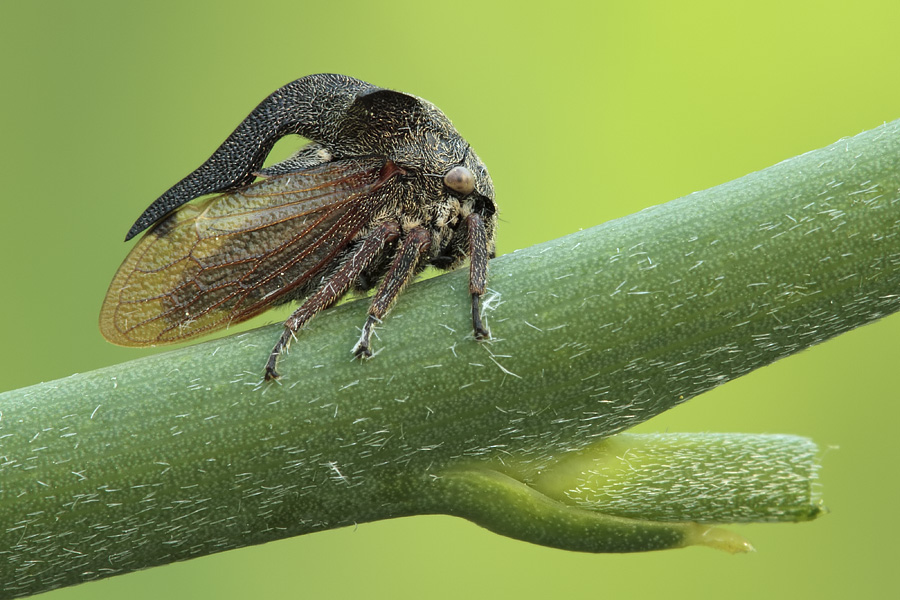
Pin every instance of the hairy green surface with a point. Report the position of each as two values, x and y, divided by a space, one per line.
633 493
187 453
706 477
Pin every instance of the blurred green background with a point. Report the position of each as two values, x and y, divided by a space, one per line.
583 112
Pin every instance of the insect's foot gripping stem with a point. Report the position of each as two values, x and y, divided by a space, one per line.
477 326
363 348
271 373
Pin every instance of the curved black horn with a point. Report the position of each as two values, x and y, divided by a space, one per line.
313 106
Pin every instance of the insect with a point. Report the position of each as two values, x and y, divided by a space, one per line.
385 187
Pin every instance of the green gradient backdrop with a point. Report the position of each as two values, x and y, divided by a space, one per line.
583 112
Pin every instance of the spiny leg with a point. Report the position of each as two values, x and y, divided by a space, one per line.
478 265
331 291
402 268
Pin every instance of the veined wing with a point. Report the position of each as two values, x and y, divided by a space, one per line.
228 258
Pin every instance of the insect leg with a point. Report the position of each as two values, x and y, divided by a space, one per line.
478 264
402 268
333 288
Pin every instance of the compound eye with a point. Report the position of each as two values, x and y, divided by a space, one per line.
460 179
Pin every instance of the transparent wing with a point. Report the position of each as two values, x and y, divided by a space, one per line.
228 258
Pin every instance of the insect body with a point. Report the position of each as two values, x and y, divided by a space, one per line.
385 187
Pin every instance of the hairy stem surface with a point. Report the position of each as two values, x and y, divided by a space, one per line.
189 452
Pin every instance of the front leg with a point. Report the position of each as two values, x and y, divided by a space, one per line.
478 265
332 289
402 268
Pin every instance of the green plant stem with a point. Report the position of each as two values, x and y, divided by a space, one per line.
187 453
631 493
